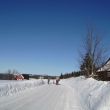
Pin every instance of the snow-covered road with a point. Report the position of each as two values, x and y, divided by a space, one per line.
46 97
73 94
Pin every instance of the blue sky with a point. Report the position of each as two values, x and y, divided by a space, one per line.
43 36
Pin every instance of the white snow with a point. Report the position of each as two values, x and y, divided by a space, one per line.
94 94
10 87
72 94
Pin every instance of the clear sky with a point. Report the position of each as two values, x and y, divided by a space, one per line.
43 36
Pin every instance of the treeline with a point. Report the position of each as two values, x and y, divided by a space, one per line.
69 75
42 76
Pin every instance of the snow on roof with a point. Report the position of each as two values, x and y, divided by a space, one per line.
106 66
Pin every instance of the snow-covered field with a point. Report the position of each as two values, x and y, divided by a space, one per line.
72 94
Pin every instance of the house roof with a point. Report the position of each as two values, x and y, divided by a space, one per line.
106 66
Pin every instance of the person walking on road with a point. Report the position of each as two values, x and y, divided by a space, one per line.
57 80
48 80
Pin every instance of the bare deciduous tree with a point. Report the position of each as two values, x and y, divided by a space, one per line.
93 54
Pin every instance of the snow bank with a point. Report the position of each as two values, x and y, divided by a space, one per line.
9 87
95 94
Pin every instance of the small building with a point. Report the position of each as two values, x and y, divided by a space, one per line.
26 76
104 72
